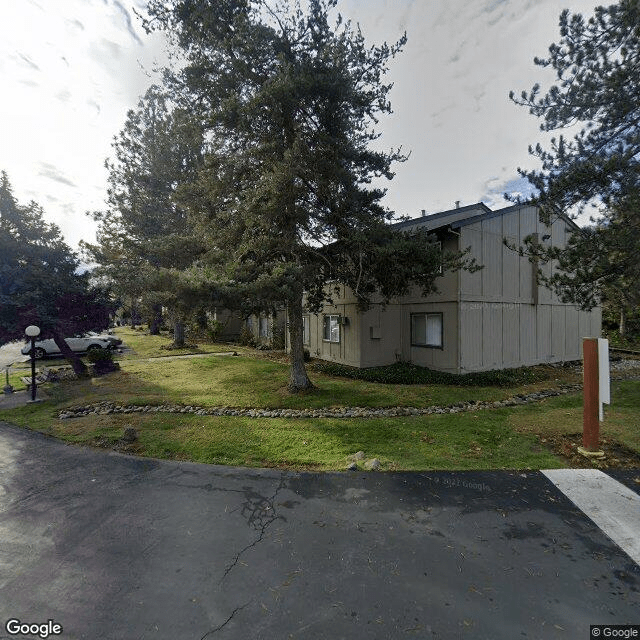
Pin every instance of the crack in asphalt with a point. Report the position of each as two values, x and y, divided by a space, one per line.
233 613
255 509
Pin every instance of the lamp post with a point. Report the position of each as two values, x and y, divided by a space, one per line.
33 332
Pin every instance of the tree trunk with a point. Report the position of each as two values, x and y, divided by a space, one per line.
156 320
178 333
298 379
135 316
622 327
79 367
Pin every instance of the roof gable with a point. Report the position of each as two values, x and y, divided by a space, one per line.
445 218
463 222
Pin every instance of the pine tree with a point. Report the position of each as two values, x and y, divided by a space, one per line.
597 63
145 240
290 105
40 283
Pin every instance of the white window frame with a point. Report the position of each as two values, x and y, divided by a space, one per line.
432 340
306 336
331 328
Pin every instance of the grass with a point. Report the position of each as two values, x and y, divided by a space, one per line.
460 441
564 416
144 345
487 439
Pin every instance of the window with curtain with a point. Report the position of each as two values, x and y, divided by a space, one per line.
331 328
426 329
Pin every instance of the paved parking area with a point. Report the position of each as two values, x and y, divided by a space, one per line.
116 547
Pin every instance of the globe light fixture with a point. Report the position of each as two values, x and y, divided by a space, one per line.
33 332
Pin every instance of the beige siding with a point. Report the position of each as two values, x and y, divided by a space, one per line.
494 318
572 347
492 337
471 283
528 334
471 333
492 247
504 322
510 335
381 335
558 332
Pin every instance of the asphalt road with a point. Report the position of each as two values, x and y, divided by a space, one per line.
113 547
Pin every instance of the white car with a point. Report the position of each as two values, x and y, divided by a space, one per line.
48 347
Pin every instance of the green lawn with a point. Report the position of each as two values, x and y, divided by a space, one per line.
564 416
486 439
147 346
483 440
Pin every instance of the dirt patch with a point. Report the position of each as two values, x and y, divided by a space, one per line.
116 444
616 455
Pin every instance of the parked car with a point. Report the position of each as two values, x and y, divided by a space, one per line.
115 342
82 344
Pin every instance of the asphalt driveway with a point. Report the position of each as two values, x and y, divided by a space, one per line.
115 547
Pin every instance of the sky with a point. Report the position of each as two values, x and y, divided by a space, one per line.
71 69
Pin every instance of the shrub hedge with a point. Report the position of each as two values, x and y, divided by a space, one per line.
404 373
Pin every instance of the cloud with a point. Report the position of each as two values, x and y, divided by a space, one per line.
104 51
29 62
493 5
49 171
68 210
495 189
127 19
64 95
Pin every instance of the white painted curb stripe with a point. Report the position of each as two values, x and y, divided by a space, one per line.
611 505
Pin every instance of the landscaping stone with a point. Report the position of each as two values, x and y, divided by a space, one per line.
130 435
372 465
108 408
352 467
357 456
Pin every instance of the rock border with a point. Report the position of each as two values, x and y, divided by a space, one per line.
109 408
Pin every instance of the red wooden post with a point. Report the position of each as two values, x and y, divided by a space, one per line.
591 422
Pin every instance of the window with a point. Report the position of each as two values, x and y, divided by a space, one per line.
331 329
264 327
305 330
426 330
249 324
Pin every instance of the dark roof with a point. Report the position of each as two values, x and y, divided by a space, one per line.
463 216
500 212
445 218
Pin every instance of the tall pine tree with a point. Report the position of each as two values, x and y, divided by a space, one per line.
290 105
145 240
597 65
